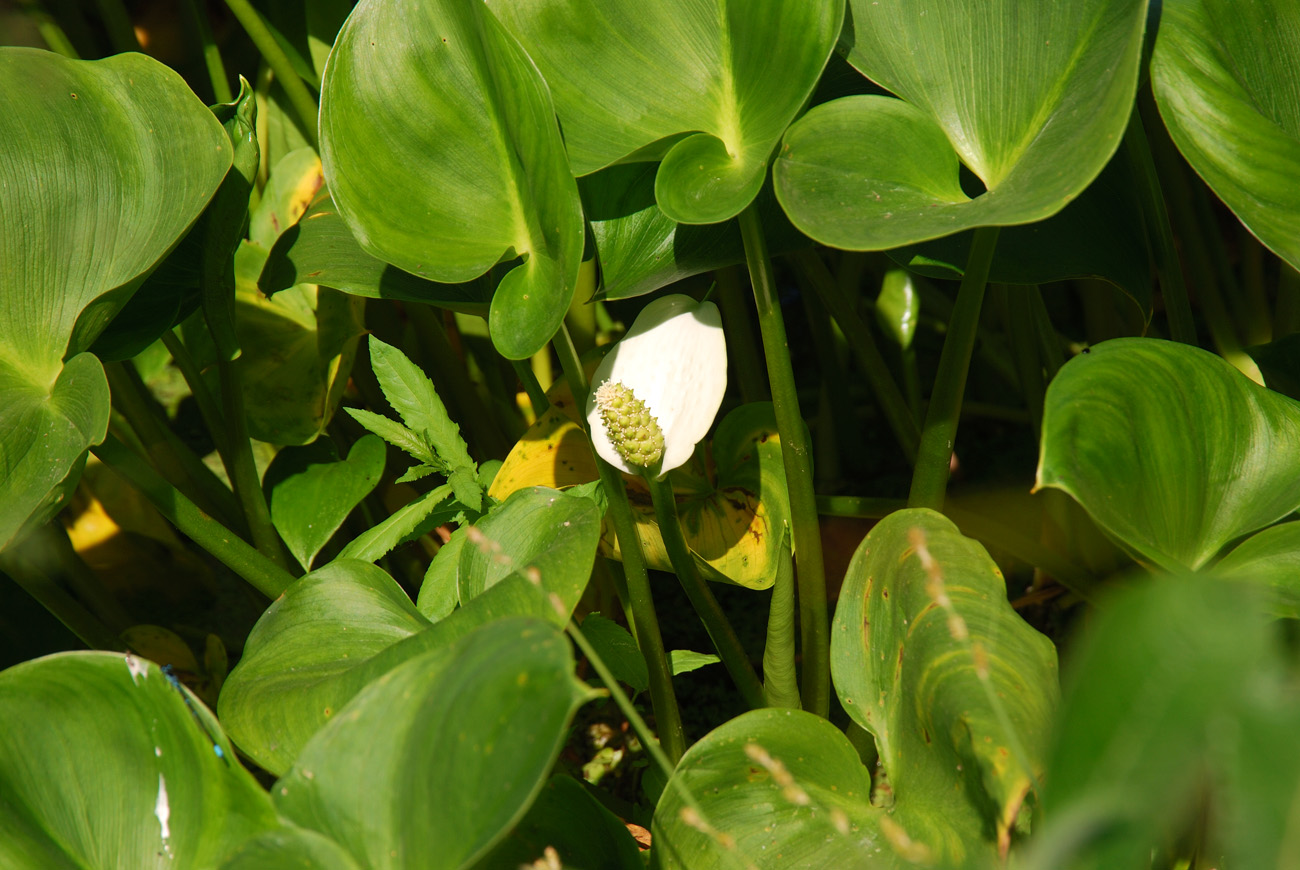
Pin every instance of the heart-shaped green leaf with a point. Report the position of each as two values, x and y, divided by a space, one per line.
320 249
103 764
728 77
398 778
770 789
1032 98
541 533
1224 77
1172 451
330 634
957 689
443 155
117 158
311 491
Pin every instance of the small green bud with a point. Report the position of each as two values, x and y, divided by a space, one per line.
632 429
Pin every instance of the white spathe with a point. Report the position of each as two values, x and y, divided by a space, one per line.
674 358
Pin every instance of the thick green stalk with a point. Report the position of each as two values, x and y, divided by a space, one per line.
533 387
174 460
662 698
1137 152
747 363
729 648
202 30
304 105
207 405
795 453
27 573
930 477
607 677
117 23
863 342
263 574
581 317
244 478
55 40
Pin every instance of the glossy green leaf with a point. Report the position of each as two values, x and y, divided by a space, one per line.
330 634
1034 113
118 159
103 764
958 691
683 661
440 591
1270 558
290 848
442 151
641 249
1152 695
320 249
567 818
728 77
1224 77
618 649
1171 450
398 778
311 491
541 533
771 789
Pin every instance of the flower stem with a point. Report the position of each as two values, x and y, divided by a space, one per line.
729 648
668 717
930 477
198 19
795 453
266 576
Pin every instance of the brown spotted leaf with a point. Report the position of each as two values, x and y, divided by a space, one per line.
958 691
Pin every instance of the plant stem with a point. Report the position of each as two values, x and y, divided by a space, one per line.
729 648
930 478
207 405
198 19
863 343
263 574
581 317
746 363
176 462
299 97
121 34
56 41
536 395
17 564
795 453
243 477
1137 152
662 698
666 764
